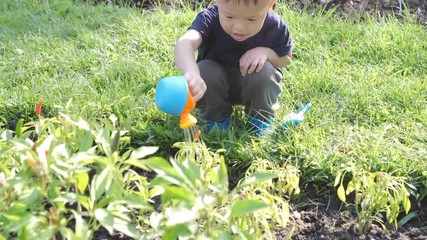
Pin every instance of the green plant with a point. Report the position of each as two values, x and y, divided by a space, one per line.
64 175
287 181
197 204
376 193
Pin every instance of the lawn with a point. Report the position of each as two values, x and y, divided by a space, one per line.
87 164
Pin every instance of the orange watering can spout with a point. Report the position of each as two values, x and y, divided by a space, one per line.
188 120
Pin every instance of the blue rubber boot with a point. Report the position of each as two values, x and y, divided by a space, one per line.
220 125
261 127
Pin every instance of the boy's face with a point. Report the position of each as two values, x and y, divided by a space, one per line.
242 21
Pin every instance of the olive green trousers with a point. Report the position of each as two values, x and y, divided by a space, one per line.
226 87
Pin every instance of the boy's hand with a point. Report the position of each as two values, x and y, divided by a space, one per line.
253 60
196 85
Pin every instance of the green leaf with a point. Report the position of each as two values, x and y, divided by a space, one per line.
156 220
223 235
157 184
125 227
178 194
59 170
408 217
255 178
84 201
18 128
406 201
44 233
164 170
69 102
100 183
247 206
34 198
113 118
81 227
6 135
243 234
86 142
105 218
180 215
291 231
134 201
221 175
82 181
17 222
194 169
412 186
67 197
53 189
143 152
116 187
80 123
388 214
176 231
104 202
187 170
337 179
115 141
350 187
103 138
4 150
17 208
341 193
84 157
136 163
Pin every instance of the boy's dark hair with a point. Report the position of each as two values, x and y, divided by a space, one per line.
246 2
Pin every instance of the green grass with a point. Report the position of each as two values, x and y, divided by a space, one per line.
366 81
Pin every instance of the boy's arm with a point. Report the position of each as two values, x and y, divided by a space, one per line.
186 62
278 62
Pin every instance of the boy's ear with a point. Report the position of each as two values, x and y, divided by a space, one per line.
270 5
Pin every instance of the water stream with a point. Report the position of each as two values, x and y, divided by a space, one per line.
191 135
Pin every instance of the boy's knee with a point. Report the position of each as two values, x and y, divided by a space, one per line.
207 66
211 72
267 76
269 72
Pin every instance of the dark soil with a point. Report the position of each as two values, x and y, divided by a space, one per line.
317 217
342 8
329 218
360 8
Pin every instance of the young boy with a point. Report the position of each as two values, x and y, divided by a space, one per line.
242 44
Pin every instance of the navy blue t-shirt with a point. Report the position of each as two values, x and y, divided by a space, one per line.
219 46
